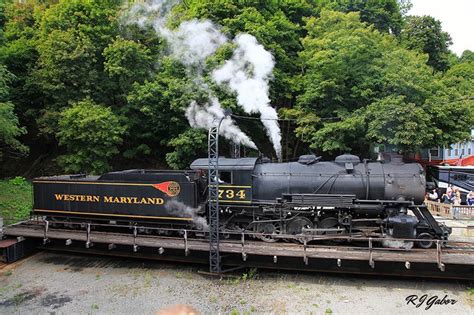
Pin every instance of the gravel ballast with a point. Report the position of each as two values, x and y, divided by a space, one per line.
57 283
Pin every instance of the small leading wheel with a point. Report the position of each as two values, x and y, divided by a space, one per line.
427 240
267 231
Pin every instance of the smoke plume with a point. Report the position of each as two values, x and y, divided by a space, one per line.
247 73
205 116
191 43
177 208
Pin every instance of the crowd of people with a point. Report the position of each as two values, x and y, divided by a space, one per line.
451 196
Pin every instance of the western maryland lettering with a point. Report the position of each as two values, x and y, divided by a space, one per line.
110 199
82 198
135 200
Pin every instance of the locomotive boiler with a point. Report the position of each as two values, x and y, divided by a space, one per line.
344 197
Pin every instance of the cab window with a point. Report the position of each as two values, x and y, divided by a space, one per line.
226 176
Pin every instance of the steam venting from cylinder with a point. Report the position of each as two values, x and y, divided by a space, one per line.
247 73
179 209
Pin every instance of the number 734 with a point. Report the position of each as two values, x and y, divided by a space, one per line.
231 194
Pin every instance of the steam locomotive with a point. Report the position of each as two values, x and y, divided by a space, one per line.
346 196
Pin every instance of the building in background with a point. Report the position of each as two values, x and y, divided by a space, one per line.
450 166
460 154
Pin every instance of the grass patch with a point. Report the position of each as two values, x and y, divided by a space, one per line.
16 199
250 275
19 298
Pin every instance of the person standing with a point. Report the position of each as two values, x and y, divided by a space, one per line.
433 195
447 197
470 198
456 200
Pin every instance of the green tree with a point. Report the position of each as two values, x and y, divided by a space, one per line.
96 20
467 55
91 134
341 72
70 67
19 55
380 91
3 4
155 111
461 76
187 146
425 34
127 62
394 121
385 15
9 125
455 105
67 67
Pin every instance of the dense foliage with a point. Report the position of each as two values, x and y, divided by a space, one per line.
9 128
91 134
80 85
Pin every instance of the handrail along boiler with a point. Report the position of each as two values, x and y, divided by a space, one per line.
346 196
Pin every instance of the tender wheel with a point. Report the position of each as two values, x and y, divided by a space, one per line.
427 241
295 226
268 230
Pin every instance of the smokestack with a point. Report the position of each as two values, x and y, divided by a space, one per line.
235 150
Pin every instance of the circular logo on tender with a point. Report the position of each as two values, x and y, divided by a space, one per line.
173 189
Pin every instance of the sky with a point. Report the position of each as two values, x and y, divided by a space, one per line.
456 18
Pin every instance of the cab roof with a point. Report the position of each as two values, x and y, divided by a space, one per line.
227 164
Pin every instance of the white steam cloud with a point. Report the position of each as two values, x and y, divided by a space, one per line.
247 73
175 207
193 41
205 117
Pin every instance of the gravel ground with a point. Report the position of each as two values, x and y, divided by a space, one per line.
50 283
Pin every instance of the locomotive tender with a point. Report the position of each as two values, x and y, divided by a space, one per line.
346 196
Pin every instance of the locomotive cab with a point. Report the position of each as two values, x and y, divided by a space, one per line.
235 178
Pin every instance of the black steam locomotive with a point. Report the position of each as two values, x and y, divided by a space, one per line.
346 196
